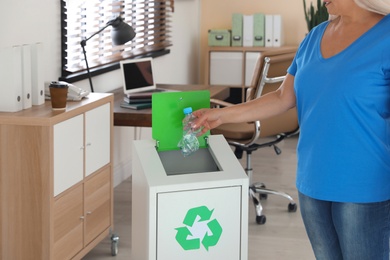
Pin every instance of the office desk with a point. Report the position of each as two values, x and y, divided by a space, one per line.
143 117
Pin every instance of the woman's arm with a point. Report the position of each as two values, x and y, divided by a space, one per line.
266 106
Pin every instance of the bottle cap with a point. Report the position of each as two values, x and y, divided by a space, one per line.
187 110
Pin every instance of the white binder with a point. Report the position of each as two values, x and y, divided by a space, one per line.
37 81
26 76
277 29
269 30
247 31
11 80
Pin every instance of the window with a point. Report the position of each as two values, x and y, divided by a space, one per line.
80 19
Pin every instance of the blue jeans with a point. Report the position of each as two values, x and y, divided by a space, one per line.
347 231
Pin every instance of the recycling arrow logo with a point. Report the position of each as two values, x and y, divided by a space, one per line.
198 229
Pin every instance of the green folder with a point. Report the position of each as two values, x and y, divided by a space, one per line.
167 116
237 23
259 30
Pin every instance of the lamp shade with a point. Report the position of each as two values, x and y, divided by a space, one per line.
121 32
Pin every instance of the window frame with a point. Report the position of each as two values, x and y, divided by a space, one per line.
70 76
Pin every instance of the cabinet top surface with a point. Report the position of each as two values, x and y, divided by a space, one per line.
45 115
252 49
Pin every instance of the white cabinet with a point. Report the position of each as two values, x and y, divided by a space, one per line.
234 66
69 147
56 179
225 68
81 143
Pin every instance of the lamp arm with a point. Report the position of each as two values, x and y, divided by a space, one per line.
84 42
86 63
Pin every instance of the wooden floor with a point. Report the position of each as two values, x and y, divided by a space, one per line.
281 237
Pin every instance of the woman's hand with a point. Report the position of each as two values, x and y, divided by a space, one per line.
266 106
206 119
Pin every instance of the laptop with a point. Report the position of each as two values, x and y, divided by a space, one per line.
137 75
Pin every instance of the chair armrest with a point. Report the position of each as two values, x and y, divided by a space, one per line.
219 103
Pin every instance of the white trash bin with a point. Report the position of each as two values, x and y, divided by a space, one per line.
193 207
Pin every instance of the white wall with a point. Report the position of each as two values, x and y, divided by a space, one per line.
30 21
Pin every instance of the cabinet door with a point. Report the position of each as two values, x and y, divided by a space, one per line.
226 68
68 153
68 224
250 64
97 138
97 204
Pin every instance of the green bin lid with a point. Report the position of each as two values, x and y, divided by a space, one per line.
167 116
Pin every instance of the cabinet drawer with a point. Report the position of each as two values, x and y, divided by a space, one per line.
68 224
97 204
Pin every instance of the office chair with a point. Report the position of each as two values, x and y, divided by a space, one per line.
251 136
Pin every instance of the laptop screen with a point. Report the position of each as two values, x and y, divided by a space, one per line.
137 75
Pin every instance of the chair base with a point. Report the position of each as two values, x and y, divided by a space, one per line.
259 188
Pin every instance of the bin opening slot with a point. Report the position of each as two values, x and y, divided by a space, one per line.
199 162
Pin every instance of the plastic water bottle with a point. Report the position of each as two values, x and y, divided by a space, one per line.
189 142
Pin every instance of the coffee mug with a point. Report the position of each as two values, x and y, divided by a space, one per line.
58 95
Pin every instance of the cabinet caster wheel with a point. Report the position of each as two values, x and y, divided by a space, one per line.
292 207
114 245
261 219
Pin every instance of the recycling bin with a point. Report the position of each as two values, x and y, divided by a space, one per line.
193 207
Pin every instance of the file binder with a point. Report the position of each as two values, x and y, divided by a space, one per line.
248 31
11 79
26 76
269 30
237 27
37 81
258 30
277 29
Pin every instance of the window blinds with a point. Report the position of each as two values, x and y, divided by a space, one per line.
151 20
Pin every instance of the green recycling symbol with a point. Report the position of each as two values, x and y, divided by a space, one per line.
199 228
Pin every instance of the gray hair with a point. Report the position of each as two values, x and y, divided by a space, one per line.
376 6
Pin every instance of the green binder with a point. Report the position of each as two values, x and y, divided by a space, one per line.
237 23
259 30
167 116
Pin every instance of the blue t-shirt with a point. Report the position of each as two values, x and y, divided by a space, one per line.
343 105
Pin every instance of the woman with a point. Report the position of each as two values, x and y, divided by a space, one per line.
340 83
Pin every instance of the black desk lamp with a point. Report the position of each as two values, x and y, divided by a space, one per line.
120 34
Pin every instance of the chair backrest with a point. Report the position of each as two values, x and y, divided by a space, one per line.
280 61
270 70
273 73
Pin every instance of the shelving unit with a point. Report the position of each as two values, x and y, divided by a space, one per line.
56 176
